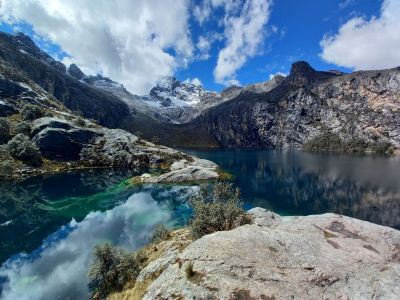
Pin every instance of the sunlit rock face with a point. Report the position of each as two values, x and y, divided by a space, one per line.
313 257
362 105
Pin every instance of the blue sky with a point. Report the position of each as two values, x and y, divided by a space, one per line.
284 31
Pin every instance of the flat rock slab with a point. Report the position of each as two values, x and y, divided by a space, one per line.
315 257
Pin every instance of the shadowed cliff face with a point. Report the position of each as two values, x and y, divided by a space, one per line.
363 105
21 53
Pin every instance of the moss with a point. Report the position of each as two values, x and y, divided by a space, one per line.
223 175
328 234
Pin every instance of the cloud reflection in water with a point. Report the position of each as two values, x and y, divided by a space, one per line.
58 270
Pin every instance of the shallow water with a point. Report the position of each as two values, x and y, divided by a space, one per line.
49 225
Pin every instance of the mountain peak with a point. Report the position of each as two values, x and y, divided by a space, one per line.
301 68
75 72
301 73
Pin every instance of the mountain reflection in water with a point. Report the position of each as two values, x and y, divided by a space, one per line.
301 183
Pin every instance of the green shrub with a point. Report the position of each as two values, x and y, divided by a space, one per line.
111 269
6 163
20 147
31 112
189 271
381 147
5 127
217 208
161 233
23 127
326 141
356 145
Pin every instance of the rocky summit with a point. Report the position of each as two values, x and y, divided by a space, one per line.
315 257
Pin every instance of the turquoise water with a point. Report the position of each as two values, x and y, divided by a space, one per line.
49 225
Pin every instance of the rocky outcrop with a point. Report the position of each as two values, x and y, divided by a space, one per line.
361 107
185 170
59 139
75 72
68 141
315 257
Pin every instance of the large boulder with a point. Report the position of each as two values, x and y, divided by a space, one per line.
61 140
315 257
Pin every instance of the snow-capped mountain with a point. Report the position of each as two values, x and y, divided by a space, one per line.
171 100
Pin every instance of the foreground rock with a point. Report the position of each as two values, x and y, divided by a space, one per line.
315 257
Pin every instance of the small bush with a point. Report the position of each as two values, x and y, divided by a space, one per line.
356 145
20 147
189 271
161 233
217 208
31 112
382 148
111 269
5 127
23 127
6 163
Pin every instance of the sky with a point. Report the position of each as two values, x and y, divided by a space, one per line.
213 42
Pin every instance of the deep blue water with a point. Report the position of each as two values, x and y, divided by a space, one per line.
49 225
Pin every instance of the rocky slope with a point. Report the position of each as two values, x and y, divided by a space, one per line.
38 135
350 111
20 53
315 257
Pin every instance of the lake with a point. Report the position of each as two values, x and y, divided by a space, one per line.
50 224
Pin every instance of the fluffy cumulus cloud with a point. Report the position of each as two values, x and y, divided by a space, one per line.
367 44
244 30
127 40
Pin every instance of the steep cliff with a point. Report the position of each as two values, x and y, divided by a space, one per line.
357 111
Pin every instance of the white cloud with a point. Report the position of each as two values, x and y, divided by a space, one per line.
367 44
204 46
195 81
202 12
346 3
126 40
205 43
244 35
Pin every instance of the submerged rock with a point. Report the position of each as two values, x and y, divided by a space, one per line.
314 257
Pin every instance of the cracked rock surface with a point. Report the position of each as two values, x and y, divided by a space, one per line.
314 257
